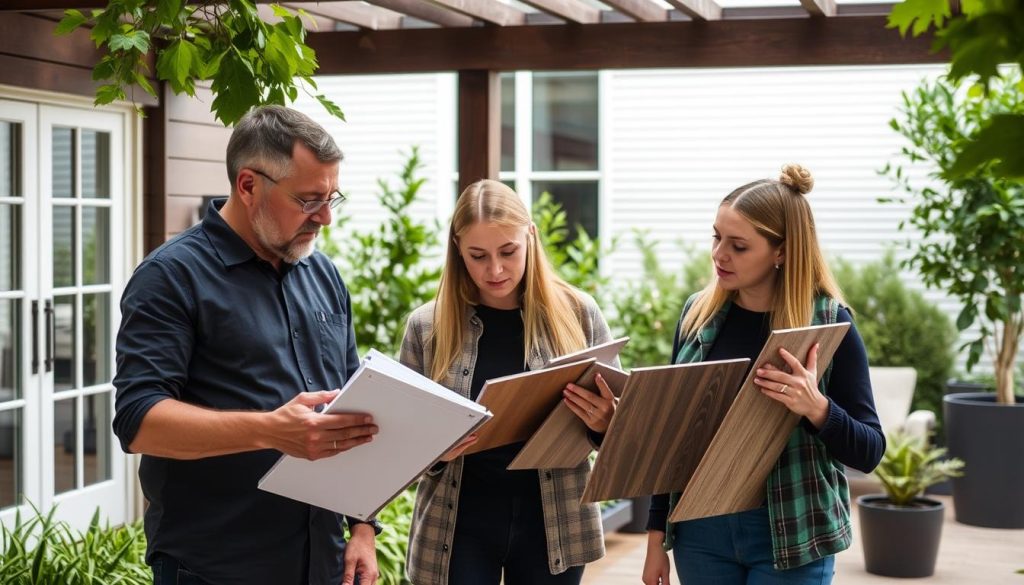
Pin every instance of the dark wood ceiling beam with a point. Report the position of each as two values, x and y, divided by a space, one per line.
698 9
641 10
426 11
846 40
570 10
820 8
479 126
485 10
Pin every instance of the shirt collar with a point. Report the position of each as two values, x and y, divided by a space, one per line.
228 245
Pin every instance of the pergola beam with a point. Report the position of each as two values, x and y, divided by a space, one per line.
485 10
641 10
819 8
479 126
570 10
698 9
354 13
426 11
846 40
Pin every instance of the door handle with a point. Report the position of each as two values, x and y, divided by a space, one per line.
35 337
50 334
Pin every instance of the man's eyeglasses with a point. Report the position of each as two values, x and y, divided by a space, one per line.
309 206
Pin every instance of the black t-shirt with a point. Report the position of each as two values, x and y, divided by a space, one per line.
500 352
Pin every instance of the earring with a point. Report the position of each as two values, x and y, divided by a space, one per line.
778 266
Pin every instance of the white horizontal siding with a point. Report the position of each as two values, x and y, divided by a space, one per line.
385 116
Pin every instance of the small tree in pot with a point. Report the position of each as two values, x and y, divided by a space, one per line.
972 229
901 529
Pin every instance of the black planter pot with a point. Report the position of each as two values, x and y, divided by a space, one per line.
989 437
900 541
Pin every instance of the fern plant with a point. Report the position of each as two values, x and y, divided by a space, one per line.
910 465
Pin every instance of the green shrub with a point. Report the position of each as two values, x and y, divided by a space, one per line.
900 327
577 259
384 267
393 542
647 309
42 551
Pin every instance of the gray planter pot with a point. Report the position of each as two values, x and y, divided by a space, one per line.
900 541
989 437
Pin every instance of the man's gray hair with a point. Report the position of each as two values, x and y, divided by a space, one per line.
266 136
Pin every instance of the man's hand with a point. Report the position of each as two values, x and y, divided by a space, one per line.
298 430
361 556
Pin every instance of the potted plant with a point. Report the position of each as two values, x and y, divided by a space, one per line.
900 529
971 232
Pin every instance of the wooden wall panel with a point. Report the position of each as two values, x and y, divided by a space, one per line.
197 142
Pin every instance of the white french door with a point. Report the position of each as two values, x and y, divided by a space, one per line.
62 240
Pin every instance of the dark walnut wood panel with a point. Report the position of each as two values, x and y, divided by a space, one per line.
667 416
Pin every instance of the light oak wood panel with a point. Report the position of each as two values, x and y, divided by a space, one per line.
561 441
521 402
731 475
666 418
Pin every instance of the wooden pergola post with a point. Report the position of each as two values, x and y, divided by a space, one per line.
479 126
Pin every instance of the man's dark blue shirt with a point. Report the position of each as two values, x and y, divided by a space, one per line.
207 322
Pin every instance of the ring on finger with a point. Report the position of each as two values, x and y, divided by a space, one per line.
335 445
783 389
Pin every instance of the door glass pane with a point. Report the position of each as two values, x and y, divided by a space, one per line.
508 121
63 246
64 455
10 350
577 198
10 159
96 342
95 164
10 457
96 437
64 343
564 122
95 245
63 162
10 248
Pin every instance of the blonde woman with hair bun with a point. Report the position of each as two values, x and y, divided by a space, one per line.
500 310
770 274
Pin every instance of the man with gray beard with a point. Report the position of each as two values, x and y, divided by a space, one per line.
233 334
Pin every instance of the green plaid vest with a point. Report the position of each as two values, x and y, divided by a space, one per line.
807 493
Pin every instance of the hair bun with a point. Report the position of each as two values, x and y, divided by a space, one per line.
797 177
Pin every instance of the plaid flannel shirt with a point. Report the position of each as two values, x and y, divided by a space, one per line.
573 530
807 492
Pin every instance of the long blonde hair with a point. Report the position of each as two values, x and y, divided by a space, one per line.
779 211
550 307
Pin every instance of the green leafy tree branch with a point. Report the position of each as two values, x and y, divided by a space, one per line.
985 35
247 61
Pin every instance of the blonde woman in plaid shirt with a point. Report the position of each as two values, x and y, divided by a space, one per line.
500 310
771 275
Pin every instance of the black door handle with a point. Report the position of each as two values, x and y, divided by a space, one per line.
50 334
35 337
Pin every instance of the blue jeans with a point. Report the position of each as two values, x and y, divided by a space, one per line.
168 571
736 549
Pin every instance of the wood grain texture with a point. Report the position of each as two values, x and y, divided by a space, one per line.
561 441
521 402
732 472
665 419
605 353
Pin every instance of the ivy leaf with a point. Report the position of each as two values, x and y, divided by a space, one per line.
167 11
141 80
919 14
175 63
71 21
108 93
331 107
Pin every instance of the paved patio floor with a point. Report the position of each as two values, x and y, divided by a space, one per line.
967 556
